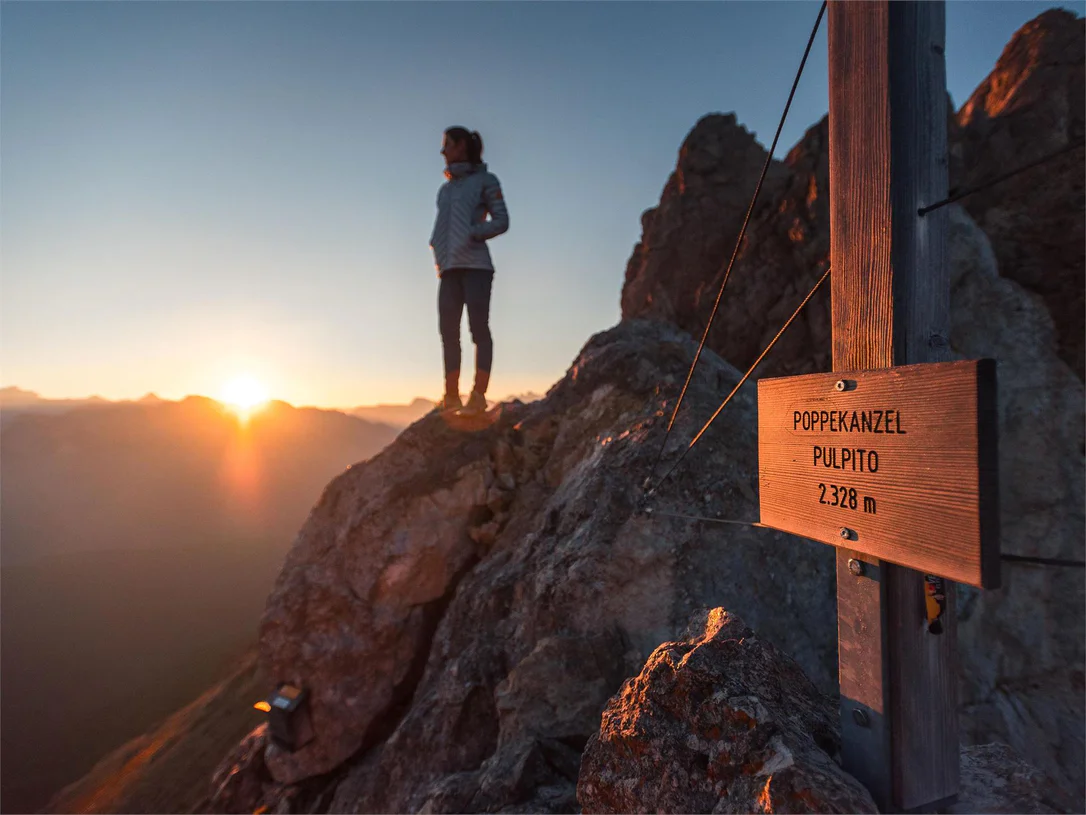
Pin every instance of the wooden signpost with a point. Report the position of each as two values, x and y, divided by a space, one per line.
916 503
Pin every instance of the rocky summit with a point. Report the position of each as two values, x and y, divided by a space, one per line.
464 607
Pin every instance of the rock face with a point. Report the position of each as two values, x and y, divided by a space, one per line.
1021 647
367 581
995 779
462 606
718 722
241 780
1033 104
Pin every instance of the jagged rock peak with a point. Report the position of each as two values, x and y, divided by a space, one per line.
693 229
1031 106
1041 60
716 144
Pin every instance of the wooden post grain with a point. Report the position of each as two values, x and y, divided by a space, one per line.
890 306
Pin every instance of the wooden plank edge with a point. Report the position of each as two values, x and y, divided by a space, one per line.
988 473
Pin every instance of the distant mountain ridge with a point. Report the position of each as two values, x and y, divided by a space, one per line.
16 401
167 769
395 415
138 474
13 396
16 398
404 415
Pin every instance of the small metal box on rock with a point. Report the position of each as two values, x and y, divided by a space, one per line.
289 722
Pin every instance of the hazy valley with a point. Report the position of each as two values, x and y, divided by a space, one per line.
140 541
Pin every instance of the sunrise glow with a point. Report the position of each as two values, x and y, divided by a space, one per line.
244 394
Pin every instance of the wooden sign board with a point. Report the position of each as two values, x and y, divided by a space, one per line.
897 463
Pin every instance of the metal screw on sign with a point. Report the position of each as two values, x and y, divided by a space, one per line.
860 717
845 385
847 533
856 567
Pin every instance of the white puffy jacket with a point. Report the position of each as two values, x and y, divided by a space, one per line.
462 227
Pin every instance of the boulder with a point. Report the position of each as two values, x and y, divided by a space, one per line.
720 721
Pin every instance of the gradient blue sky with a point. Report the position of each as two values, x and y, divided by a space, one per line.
194 191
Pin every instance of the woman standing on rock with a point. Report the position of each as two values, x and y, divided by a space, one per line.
461 230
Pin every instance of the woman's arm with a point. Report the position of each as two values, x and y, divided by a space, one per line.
499 213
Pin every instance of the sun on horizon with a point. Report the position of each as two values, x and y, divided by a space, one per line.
244 394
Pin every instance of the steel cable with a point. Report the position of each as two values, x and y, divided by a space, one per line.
746 376
957 195
739 240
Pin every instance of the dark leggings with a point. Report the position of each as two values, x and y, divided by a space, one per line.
460 287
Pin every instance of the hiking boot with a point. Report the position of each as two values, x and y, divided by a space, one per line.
476 403
450 402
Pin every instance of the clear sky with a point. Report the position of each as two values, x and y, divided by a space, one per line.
195 191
